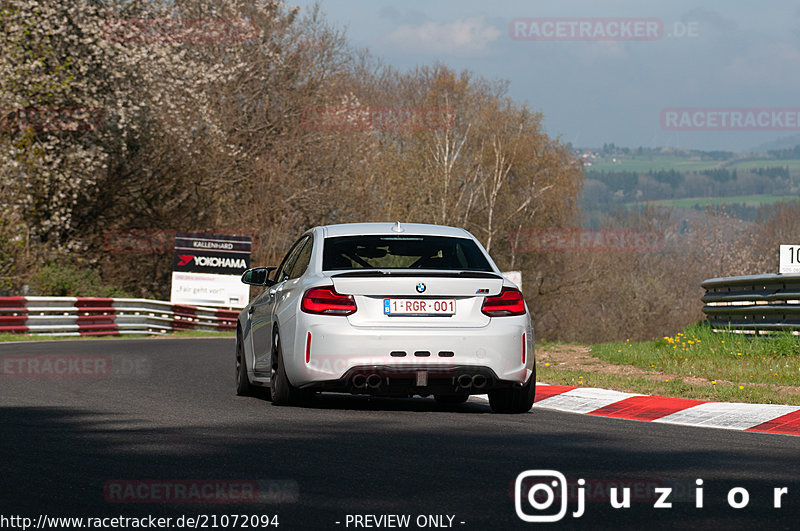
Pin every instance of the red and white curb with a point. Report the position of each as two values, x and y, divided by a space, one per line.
765 418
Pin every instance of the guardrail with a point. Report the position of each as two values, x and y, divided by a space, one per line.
753 304
94 316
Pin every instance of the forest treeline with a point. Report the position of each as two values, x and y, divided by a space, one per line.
225 116
609 188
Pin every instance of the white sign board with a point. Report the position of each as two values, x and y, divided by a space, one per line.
515 277
207 268
205 289
790 260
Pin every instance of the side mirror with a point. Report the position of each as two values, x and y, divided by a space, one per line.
258 276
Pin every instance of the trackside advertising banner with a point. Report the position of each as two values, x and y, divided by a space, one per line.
206 269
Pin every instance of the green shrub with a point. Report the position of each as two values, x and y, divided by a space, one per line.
55 280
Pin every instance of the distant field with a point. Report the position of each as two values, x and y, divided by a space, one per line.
682 164
749 200
651 164
751 164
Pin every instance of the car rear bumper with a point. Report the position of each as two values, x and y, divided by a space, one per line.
330 353
390 380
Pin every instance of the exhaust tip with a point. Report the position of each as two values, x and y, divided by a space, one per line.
359 381
479 381
374 381
464 380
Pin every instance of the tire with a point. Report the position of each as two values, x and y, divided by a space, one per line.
282 391
243 385
514 400
451 399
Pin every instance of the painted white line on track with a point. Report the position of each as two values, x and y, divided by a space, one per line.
729 415
583 400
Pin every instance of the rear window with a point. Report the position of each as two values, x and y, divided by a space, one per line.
402 252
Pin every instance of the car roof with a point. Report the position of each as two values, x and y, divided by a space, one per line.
362 229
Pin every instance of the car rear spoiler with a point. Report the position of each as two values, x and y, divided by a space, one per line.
419 273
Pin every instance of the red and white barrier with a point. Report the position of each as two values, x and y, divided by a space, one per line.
94 316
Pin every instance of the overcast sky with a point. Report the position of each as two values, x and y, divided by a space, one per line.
709 55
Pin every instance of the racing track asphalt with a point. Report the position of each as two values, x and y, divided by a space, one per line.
167 412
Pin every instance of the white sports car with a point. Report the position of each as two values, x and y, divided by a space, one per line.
387 309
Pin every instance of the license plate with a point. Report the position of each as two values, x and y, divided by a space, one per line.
419 306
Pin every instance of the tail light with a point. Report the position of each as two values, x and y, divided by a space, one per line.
327 301
509 302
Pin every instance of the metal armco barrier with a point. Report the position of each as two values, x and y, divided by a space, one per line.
92 316
757 303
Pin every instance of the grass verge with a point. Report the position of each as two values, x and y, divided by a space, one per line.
695 363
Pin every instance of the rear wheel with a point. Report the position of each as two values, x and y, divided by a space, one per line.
514 400
451 399
282 391
243 385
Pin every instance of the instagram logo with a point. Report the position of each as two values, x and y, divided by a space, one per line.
540 495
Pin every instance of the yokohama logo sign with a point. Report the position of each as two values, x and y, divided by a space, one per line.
212 261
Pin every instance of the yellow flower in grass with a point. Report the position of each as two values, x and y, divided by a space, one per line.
741 387
713 382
